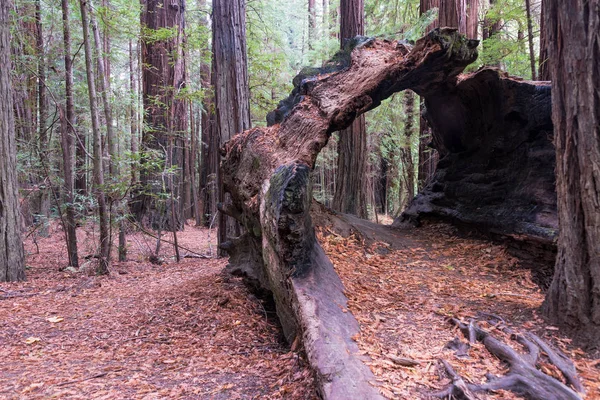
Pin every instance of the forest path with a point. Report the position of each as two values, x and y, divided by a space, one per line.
145 332
404 285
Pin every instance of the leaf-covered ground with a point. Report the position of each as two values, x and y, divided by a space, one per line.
174 331
404 296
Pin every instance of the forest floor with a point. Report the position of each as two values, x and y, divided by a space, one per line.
170 331
404 286
185 330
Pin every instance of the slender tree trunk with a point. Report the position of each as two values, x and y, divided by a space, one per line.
104 256
12 260
351 189
427 155
574 50
68 134
406 151
544 71
530 39
230 83
133 118
312 24
208 156
42 98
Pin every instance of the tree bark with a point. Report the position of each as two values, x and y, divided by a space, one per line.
165 115
472 19
427 156
67 136
530 39
266 170
230 83
544 71
351 189
574 50
12 260
42 98
104 251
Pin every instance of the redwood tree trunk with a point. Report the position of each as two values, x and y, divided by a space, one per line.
351 187
544 71
12 263
530 39
230 83
165 115
574 50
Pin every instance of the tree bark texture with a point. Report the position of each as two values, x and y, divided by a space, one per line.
351 187
453 14
165 114
544 71
12 262
574 50
230 84
68 135
472 19
266 170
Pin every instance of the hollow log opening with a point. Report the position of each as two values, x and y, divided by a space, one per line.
267 173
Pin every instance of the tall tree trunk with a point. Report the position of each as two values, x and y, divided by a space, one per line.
452 13
104 256
427 156
12 262
574 50
133 117
230 83
351 189
544 71
408 169
165 114
530 39
42 98
472 21
68 134
209 161
312 24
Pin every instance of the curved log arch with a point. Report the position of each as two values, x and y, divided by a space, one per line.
266 171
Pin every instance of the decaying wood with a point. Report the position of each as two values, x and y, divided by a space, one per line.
497 161
267 173
523 377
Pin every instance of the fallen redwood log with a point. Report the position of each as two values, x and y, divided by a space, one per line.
497 161
267 173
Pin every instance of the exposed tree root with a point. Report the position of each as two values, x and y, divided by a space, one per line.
523 377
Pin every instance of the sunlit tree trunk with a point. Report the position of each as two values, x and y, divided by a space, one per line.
351 189
574 50
12 263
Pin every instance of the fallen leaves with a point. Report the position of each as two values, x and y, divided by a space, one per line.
174 331
404 298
